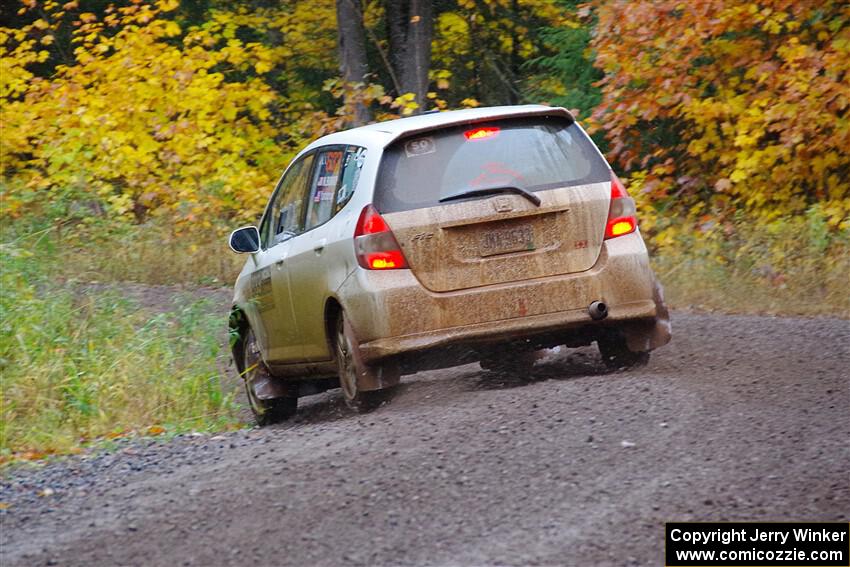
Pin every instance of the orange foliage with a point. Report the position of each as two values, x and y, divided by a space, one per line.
722 105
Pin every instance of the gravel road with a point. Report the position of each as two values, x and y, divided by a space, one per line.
739 418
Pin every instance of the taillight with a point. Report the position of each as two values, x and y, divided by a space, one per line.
374 243
481 133
621 212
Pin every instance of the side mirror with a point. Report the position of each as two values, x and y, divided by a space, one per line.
245 239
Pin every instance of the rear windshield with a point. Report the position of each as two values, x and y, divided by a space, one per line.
534 154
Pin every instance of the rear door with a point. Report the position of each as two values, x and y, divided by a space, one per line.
333 181
454 239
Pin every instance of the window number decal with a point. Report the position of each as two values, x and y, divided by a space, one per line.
420 147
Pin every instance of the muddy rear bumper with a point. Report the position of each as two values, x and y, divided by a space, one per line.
498 331
392 313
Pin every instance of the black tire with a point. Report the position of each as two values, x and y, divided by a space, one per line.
616 355
348 369
266 411
514 364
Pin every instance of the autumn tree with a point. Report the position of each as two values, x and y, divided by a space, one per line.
564 74
457 52
149 120
481 48
353 63
410 28
723 106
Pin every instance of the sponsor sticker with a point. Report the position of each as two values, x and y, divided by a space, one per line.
420 146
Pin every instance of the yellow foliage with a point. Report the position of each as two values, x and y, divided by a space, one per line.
738 104
187 130
490 37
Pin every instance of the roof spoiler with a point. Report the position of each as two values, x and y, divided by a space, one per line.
555 111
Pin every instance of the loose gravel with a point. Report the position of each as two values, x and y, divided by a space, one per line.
739 418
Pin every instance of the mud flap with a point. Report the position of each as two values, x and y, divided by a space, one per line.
268 387
376 376
649 335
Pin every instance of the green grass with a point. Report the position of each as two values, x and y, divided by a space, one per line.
791 266
148 254
80 365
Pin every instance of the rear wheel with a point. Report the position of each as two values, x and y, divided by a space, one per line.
349 367
255 373
616 354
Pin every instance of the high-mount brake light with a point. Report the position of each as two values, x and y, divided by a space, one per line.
622 217
375 244
481 133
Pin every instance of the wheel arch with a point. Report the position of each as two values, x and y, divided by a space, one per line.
237 325
333 308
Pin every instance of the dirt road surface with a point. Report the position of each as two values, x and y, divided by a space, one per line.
739 418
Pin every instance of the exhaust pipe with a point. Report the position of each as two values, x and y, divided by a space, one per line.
597 310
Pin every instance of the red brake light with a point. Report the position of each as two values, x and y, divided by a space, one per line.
619 227
390 260
618 191
621 211
371 222
481 133
374 243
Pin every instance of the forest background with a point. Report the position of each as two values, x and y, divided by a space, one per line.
136 134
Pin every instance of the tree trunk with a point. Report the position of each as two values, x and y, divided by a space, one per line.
514 61
352 52
411 25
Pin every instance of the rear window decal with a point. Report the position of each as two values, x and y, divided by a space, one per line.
420 147
328 180
354 160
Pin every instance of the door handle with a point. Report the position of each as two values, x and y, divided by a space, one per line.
279 264
319 247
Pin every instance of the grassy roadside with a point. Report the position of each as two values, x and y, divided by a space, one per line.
81 364
791 266
148 254
707 285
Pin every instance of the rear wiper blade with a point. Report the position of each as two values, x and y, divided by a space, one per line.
492 191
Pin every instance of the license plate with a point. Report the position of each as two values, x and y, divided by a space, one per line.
502 241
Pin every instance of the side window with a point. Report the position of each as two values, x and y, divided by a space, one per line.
352 164
320 206
285 213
